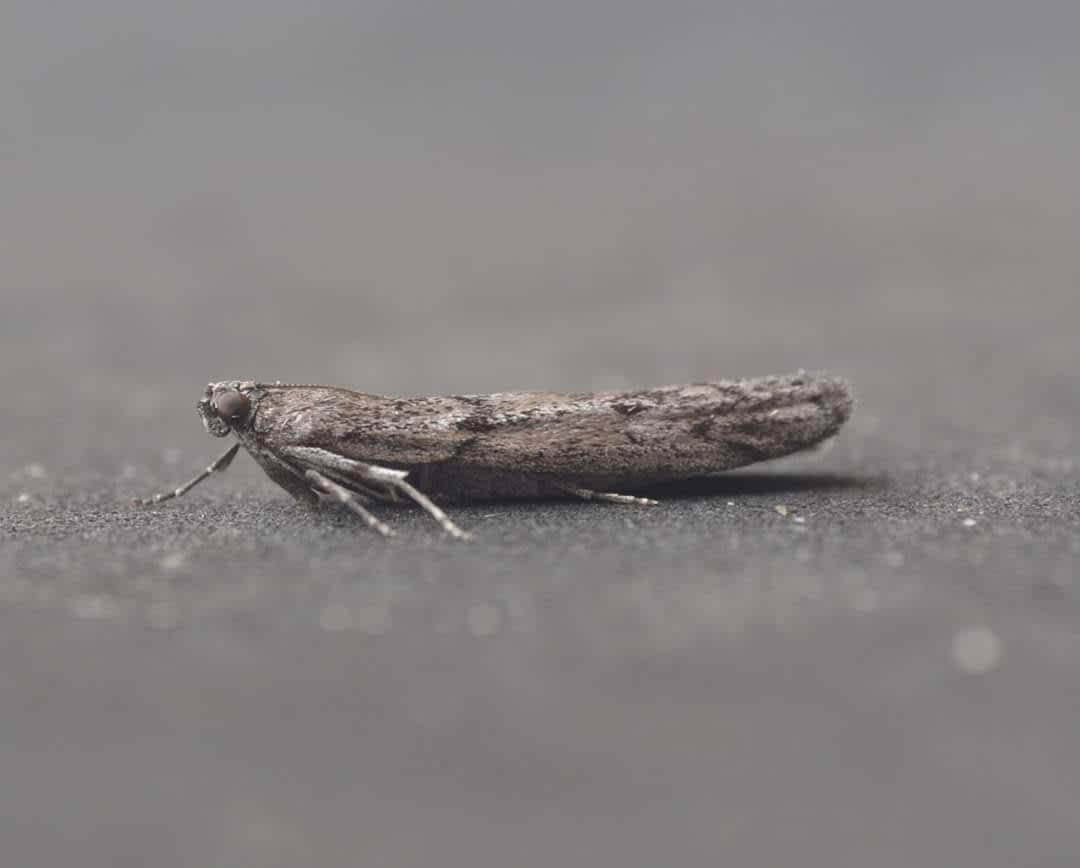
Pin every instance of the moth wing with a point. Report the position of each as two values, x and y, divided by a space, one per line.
652 434
397 432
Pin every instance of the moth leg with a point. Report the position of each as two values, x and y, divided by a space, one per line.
386 477
608 497
223 462
343 496
425 503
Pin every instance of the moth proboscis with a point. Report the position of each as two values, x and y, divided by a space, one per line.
326 443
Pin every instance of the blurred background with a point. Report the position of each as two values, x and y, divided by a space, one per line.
423 197
430 197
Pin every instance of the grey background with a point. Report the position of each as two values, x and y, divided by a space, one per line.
421 197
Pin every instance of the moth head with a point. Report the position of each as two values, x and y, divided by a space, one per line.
226 407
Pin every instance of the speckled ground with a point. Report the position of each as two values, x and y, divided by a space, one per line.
867 655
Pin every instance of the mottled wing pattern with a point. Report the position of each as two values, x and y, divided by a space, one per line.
668 432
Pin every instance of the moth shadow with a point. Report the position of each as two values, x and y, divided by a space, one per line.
733 485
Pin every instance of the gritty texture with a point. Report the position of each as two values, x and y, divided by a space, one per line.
870 653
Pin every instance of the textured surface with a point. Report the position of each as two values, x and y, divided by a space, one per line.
868 654
864 656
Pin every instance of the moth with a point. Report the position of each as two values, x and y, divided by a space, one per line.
325 443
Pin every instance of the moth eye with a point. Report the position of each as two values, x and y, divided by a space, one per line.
232 405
